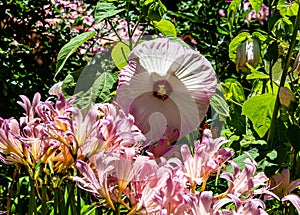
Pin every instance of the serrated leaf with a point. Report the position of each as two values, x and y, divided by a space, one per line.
105 10
166 27
256 4
235 43
259 109
119 54
68 49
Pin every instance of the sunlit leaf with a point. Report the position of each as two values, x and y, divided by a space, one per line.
105 10
235 43
256 4
120 54
288 8
166 27
259 109
68 49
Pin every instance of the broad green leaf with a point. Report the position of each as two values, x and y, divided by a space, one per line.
287 8
235 43
119 54
233 90
99 91
105 10
68 49
103 85
256 4
277 70
219 105
259 109
166 27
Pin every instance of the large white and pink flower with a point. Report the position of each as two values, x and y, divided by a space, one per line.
166 85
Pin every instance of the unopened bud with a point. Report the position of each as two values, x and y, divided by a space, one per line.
296 65
248 52
286 96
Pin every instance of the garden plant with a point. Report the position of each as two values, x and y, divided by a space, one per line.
150 107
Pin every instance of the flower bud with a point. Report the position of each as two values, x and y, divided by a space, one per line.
286 96
296 65
248 52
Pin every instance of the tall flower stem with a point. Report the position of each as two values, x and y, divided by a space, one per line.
44 196
282 81
32 202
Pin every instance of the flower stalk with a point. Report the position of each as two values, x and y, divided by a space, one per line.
282 81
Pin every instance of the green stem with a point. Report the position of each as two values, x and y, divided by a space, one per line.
32 203
128 24
282 81
56 200
71 198
115 31
78 208
44 200
10 191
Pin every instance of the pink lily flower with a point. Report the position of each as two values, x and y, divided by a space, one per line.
208 158
282 187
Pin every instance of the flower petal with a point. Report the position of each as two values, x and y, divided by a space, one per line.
183 105
294 199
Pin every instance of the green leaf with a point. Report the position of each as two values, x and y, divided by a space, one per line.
272 155
233 90
99 91
68 49
257 75
235 43
232 11
259 109
240 159
166 27
119 54
256 4
88 209
105 10
103 85
68 85
287 8
251 141
219 105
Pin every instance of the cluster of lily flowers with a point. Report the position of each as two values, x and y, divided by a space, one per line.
117 161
